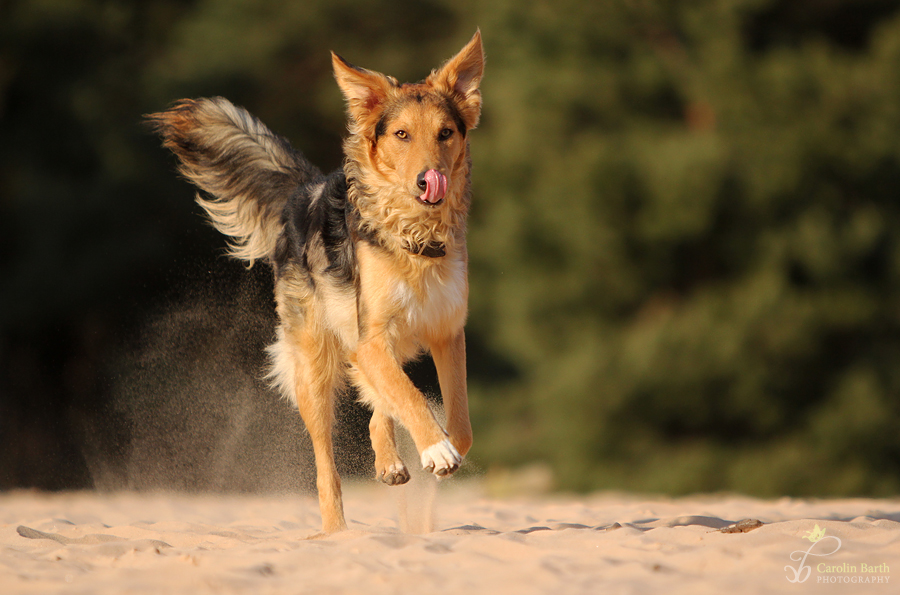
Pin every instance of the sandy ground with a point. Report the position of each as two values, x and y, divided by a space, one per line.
446 539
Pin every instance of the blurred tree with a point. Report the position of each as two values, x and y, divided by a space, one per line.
686 239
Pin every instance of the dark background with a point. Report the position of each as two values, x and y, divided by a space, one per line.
685 240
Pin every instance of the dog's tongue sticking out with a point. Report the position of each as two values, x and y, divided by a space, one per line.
436 187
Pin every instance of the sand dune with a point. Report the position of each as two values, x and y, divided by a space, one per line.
413 540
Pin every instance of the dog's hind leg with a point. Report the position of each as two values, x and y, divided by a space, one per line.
310 358
317 411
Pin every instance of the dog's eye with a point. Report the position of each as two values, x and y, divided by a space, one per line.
445 134
401 134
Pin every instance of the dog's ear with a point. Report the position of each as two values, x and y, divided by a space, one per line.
460 77
363 89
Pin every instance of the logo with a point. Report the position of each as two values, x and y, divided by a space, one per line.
822 545
816 536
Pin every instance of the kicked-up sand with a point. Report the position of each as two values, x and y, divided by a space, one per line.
448 539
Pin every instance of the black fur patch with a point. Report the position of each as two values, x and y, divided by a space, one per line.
317 215
380 127
429 250
335 234
455 115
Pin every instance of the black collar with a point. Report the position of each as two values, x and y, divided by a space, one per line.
429 250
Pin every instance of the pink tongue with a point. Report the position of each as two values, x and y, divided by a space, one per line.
436 186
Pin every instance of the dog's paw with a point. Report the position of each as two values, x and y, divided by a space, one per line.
395 475
441 458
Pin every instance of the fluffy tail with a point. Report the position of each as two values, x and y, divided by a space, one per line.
248 171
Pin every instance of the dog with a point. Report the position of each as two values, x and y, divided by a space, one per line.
370 261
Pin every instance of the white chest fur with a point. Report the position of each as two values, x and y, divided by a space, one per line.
437 303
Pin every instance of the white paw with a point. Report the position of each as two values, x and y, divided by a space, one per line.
441 458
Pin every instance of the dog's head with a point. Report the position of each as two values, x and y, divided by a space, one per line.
410 139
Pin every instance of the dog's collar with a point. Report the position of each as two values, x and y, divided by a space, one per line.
428 250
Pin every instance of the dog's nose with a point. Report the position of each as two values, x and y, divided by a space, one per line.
421 182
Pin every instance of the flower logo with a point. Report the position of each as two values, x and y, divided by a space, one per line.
815 534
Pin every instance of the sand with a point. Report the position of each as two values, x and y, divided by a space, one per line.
451 539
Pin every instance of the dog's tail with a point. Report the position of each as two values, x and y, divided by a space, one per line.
248 171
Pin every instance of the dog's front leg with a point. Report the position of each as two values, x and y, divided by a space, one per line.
389 468
401 399
450 360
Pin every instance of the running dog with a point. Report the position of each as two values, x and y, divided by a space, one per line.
370 261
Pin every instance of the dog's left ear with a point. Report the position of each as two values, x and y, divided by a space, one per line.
460 77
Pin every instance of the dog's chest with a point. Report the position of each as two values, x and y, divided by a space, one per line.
436 301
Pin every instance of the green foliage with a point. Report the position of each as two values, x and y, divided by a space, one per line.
685 239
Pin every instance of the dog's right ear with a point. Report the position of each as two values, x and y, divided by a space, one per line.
363 89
